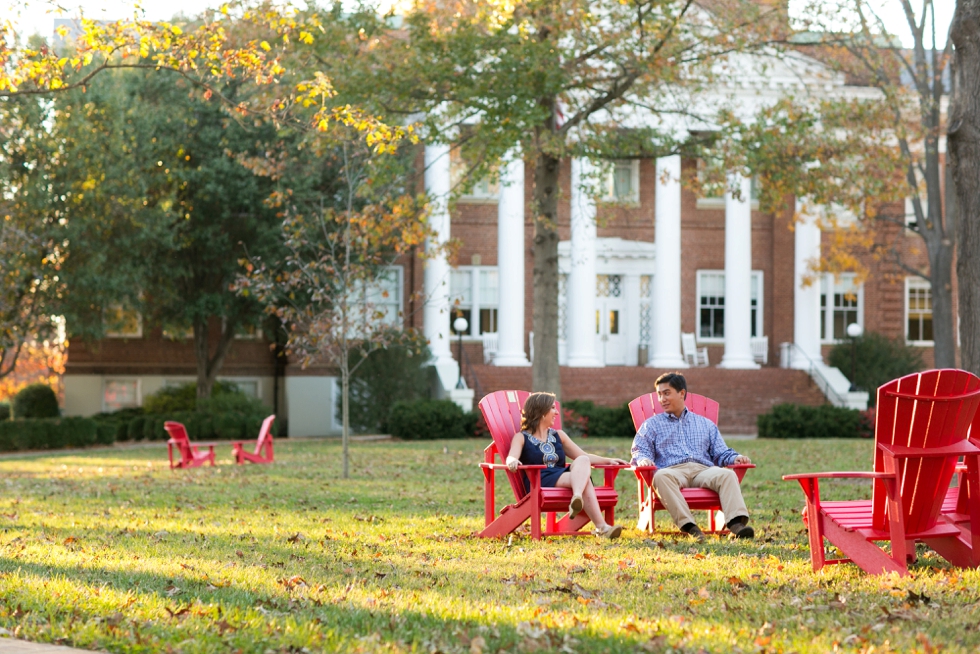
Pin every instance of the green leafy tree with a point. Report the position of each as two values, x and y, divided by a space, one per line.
877 360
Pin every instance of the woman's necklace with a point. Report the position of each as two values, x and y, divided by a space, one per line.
540 439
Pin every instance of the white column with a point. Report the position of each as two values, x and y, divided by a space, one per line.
581 277
435 317
666 311
510 264
738 276
806 300
631 322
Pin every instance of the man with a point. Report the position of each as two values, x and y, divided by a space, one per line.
689 452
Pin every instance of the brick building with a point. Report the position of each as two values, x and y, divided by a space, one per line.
642 262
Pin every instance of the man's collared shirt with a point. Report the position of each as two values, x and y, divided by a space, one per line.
669 441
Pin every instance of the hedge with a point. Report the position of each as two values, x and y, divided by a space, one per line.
427 420
825 421
35 401
48 433
602 421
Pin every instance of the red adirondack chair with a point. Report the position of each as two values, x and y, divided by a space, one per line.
699 499
920 433
502 412
264 442
190 456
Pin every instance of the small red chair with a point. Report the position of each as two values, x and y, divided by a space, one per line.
502 412
264 442
190 456
699 499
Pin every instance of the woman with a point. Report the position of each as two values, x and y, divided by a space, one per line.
538 444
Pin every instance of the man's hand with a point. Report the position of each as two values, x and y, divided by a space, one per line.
741 458
512 463
644 463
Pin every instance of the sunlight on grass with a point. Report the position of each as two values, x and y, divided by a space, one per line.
112 550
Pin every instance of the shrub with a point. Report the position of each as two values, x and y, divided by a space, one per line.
137 428
47 433
183 397
573 424
475 426
602 421
36 401
825 421
877 361
427 419
394 374
106 432
4 411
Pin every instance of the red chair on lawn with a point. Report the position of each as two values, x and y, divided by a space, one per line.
502 412
264 442
920 433
190 456
699 499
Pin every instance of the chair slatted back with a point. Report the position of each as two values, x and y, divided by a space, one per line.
265 433
177 431
502 412
922 410
648 405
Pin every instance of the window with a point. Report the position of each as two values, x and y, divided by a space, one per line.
622 181
248 387
711 304
178 333
122 322
459 167
381 300
120 394
840 305
918 309
714 190
473 294
248 332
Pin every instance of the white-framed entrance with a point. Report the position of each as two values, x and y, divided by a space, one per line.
624 272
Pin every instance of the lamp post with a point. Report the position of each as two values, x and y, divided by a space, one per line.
854 331
460 325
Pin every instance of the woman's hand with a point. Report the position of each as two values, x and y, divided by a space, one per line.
616 462
512 463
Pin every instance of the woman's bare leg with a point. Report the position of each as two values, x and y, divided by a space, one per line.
579 480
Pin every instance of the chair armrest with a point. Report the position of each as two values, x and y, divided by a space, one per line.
193 444
610 466
741 466
963 448
503 466
840 475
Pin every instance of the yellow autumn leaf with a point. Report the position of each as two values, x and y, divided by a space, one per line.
265 46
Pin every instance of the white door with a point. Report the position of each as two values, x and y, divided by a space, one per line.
610 323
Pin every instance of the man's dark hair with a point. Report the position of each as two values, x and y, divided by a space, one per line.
673 379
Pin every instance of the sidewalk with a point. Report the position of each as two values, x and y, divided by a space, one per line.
11 646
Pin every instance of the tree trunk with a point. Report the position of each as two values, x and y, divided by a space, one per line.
963 150
208 366
943 331
345 413
545 373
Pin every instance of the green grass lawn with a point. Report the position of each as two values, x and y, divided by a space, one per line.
111 550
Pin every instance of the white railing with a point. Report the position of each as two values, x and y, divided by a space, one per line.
818 371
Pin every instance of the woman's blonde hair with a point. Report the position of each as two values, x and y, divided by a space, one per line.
535 407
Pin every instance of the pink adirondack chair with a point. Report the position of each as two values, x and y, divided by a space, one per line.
264 442
502 412
190 456
699 499
920 433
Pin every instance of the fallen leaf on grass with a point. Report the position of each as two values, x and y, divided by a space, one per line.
477 645
172 590
575 569
592 557
224 626
179 612
239 554
293 582
624 577
295 538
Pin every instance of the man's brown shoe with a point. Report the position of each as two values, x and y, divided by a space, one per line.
739 530
694 532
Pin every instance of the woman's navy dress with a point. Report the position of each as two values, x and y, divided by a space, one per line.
549 453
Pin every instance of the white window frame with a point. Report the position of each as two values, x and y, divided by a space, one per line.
396 302
832 285
719 201
245 380
139 391
139 324
609 182
483 191
475 304
759 308
918 283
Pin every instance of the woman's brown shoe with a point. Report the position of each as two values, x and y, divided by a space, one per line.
575 507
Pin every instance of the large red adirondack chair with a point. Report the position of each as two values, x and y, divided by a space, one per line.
264 442
920 432
502 412
699 499
190 456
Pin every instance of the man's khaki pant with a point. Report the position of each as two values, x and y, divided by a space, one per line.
668 483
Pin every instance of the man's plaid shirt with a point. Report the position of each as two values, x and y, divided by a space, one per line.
669 441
